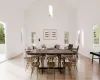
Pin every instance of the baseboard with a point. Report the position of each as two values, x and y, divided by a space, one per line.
3 61
89 58
11 58
15 56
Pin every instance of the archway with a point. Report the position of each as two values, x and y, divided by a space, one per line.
2 41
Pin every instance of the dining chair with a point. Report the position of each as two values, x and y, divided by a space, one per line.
69 47
76 50
35 64
28 59
51 63
34 47
57 46
74 61
43 46
67 62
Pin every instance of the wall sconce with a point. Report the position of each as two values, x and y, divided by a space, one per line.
50 11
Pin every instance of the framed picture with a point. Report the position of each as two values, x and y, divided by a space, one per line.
53 34
46 34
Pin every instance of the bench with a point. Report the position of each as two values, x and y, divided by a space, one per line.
95 54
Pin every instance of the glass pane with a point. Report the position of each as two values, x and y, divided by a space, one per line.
32 40
96 34
66 39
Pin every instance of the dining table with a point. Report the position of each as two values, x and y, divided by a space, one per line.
44 52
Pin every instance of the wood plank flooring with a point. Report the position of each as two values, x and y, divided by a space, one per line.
15 70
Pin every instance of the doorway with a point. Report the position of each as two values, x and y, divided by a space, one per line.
2 42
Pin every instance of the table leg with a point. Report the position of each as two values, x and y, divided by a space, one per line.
92 58
99 60
42 63
59 62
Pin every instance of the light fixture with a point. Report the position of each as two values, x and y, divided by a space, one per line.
50 11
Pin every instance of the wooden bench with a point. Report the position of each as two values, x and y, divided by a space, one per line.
95 54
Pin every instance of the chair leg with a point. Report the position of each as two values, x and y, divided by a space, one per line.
42 62
47 73
54 73
92 58
31 72
69 68
76 67
37 73
99 60
77 56
27 65
64 72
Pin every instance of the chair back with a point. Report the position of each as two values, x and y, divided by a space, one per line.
51 58
34 47
32 58
43 46
77 51
57 46
77 48
67 58
51 61
70 46
36 58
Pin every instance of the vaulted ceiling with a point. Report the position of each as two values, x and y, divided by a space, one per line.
24 4
16 4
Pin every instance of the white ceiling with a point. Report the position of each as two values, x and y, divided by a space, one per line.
24 4
16 4
72 3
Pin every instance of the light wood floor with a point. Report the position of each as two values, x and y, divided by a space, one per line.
15 70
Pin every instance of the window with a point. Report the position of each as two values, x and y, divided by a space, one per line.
96 34
66 37
50 11
33 34
21 35
79 37
82 34
2 34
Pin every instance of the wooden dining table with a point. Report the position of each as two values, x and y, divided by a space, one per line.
44 52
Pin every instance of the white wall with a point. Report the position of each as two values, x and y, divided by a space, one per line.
37 19
14 20
88 15
2 48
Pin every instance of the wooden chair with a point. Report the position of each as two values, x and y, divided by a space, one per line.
74 61
57 46
35 63
34 47
28 59
43 46
69 47
51 63
67 61
76 50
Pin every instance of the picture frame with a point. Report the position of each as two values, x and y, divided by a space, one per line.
46 34
53 34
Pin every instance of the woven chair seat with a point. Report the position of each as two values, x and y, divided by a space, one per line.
28 59
74 60
51 64
35 64
67 64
